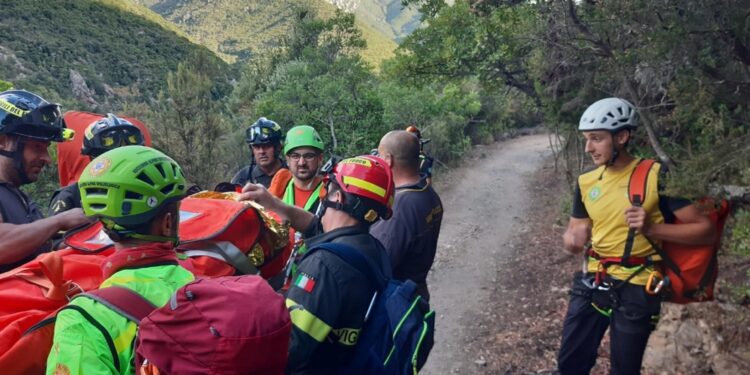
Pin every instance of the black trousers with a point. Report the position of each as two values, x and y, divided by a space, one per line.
634 315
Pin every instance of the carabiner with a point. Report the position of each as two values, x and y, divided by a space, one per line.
655 282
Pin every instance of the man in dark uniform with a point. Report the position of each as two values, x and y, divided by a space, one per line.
410 237
28 124
101 136
329 298
264 138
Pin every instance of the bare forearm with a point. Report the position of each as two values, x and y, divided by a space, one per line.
298 218
18 241
701 233
577 235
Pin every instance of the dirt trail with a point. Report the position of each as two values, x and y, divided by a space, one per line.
483 202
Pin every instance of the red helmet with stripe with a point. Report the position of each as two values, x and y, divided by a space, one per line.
367 177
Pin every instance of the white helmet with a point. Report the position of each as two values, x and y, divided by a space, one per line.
609 114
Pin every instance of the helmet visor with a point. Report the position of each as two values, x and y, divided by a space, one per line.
259 134
42 123
124 136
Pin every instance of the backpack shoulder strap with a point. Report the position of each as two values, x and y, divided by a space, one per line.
354 258
637 195
639 180
124 301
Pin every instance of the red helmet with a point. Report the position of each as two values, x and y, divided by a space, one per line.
369 178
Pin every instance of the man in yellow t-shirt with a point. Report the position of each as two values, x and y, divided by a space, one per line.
603 215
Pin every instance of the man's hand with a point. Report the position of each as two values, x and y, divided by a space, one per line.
259 194
299 219
637 219
71 219
576 235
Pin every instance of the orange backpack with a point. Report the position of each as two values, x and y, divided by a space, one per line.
691 269
33 293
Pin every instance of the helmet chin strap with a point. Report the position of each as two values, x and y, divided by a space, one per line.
615 154
117 233
18 163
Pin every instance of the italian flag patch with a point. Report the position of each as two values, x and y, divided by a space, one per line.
305 282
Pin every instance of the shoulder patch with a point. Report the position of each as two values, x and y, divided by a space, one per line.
59 206
305 282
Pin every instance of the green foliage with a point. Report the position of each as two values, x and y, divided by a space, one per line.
189 120
118 53
684 67
324 83
740 240
459 43
442 112
251 29
5 85
683 64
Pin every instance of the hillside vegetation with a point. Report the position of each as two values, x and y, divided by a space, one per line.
86 53
239 30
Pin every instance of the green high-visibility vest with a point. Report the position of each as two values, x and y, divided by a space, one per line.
289 195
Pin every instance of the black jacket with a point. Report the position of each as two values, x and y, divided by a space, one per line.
329 299
64 199
17 208
252 173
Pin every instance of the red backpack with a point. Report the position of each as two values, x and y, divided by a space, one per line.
223 237
691 269
227 325
219 237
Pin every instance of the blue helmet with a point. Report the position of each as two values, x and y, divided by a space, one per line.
264 131
26 114
109 133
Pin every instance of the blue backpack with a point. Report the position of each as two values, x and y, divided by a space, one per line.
399 327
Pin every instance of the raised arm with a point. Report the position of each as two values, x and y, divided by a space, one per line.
18 241
299 219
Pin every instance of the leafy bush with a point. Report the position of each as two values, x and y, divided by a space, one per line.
740 239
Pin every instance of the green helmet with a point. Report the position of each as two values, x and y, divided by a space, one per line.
302 136
126 187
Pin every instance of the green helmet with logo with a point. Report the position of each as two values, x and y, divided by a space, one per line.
302 136
128 186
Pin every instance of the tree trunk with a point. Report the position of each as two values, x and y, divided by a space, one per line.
648 125
333 132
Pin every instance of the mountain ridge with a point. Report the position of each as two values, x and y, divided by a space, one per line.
251 28
92 54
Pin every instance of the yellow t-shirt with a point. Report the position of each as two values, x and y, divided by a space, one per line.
605 196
